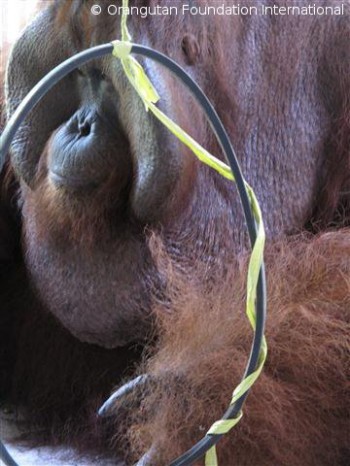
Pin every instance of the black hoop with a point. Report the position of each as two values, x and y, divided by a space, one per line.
38 92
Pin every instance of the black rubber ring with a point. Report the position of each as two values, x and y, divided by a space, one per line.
43 86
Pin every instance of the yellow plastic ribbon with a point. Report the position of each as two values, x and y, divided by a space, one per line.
143 86
223 426
149 96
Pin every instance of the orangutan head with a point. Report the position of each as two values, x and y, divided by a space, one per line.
98 174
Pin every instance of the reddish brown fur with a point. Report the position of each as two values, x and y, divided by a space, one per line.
298 412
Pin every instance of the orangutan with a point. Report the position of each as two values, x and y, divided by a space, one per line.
122 254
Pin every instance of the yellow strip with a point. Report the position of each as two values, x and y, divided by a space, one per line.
126 37
224 425
219 428
122 49
148 94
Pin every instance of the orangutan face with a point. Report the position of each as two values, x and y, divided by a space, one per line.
99 175
97 172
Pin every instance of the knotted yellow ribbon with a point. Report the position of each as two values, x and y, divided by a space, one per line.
148 94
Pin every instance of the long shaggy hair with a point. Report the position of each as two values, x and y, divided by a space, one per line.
298 411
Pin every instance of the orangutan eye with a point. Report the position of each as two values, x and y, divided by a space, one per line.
94 72
190 48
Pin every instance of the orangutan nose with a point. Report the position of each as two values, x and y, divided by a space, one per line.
86 122
84 127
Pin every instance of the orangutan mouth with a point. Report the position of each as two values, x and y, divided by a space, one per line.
76 158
